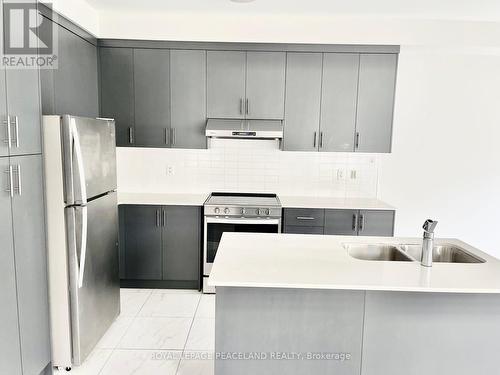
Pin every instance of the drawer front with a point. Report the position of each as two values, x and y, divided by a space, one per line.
297 229
304 217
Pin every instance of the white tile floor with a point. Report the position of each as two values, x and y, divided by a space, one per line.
155 332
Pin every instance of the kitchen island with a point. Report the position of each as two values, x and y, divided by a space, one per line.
307 304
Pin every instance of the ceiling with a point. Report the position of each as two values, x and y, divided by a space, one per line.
476 10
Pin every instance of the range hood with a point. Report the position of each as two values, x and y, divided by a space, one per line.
247 129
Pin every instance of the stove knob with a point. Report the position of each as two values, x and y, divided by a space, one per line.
226 211
260 212
217 210
243 211
268 212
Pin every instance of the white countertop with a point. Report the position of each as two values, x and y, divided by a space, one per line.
333 203
286 201
322 262
162 199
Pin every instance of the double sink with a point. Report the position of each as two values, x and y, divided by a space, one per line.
444 253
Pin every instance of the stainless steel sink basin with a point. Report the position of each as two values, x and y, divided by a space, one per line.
442 253
378 252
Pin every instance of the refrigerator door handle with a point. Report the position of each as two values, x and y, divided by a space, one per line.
83 246
79 160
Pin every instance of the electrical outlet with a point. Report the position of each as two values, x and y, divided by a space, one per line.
170 170
340 174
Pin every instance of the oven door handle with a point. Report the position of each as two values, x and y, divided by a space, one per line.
222 220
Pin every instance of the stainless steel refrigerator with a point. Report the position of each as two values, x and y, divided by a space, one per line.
82 233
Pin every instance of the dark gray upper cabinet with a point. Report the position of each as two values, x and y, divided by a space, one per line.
265 85
24 110
75 80
152 97
10 351
226 84
181 243
188 81
341 222
31 262
302 103
377 79
143 242
376 223
338 101
117 91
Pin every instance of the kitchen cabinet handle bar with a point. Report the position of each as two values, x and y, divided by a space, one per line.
157 218
357 139
314 139
10 189
166 136
164 218
361 222
247 107
305 218
131 135
9 135
172 130
321 140
16 127
19 180
354 222
241 106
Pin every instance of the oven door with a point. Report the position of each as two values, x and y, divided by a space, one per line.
216 226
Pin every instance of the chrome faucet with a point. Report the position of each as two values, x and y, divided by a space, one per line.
428 243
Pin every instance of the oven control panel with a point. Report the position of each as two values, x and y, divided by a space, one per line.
250 212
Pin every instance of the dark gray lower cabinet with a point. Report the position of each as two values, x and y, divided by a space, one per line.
302 229
142 247
24 316
181 243
339 222
359 222
160 246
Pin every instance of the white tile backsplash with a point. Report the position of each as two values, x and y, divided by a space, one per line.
247 166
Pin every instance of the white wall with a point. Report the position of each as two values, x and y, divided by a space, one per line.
446 147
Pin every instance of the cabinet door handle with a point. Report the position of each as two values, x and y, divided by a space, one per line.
166 136
16 130
357 140
321 140
157 218
305 218
247 107
173 136
355 222
314 139
18 189
9 135
10 188
164 218
241 106
361 222
131 135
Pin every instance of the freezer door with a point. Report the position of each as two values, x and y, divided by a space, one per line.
93 272
89 158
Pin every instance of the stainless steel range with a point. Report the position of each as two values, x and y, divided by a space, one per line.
236 212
